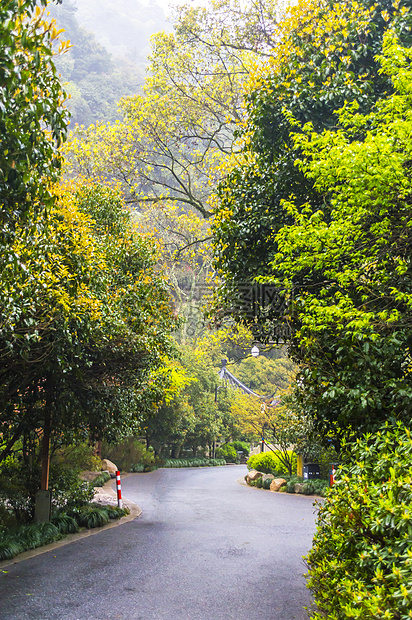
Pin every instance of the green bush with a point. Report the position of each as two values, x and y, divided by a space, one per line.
101 479
21 538
241 446
128 453
65 523
79 457
360 565
290 485
67 488
266 483
269 463
228 453
92 516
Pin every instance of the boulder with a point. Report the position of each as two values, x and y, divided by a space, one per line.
299 486
268 477
110 467
277 483
253 475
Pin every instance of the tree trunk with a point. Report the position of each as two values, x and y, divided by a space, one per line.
45 454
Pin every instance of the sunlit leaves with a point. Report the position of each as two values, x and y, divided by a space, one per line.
32 118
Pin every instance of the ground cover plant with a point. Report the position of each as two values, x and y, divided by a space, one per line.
23 537
360 565
193 462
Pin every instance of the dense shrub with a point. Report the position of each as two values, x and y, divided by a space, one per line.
241 446
227 452
79 457
128 454
18 486
269 463
67 488
30 536
101 479
360 565
290 485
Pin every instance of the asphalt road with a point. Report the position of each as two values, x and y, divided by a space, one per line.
205 548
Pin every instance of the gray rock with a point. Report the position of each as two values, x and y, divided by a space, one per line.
299 486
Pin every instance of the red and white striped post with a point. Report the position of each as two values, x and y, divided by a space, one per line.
119 490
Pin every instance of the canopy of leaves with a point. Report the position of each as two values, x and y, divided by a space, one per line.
176 135
325 56
32 117
362 543
85 322
349 263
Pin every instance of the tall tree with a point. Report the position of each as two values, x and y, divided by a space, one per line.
33 120
177 133
325 56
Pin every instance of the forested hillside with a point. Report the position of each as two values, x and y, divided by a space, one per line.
124 27
108 57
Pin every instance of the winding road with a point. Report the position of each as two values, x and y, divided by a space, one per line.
205 548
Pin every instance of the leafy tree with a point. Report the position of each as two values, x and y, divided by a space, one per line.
32 117
350 263
80 350
186 257
359 565
325 56
284 429
265 376
180 130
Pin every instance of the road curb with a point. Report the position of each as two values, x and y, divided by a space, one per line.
135 511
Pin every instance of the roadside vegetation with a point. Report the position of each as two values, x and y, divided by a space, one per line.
263 168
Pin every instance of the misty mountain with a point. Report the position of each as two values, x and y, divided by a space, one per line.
96 76
124 27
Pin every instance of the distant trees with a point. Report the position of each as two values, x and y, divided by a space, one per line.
93 79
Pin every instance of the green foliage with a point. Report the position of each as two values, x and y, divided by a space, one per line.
241 446
21 538
330 127
308 77
355 340
269 463
67 488
176 463
128 454
362 543
101 479
87 321
264 375
290 485
20 482
65 523
227 452
266 483
32 119
92 516
80 457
